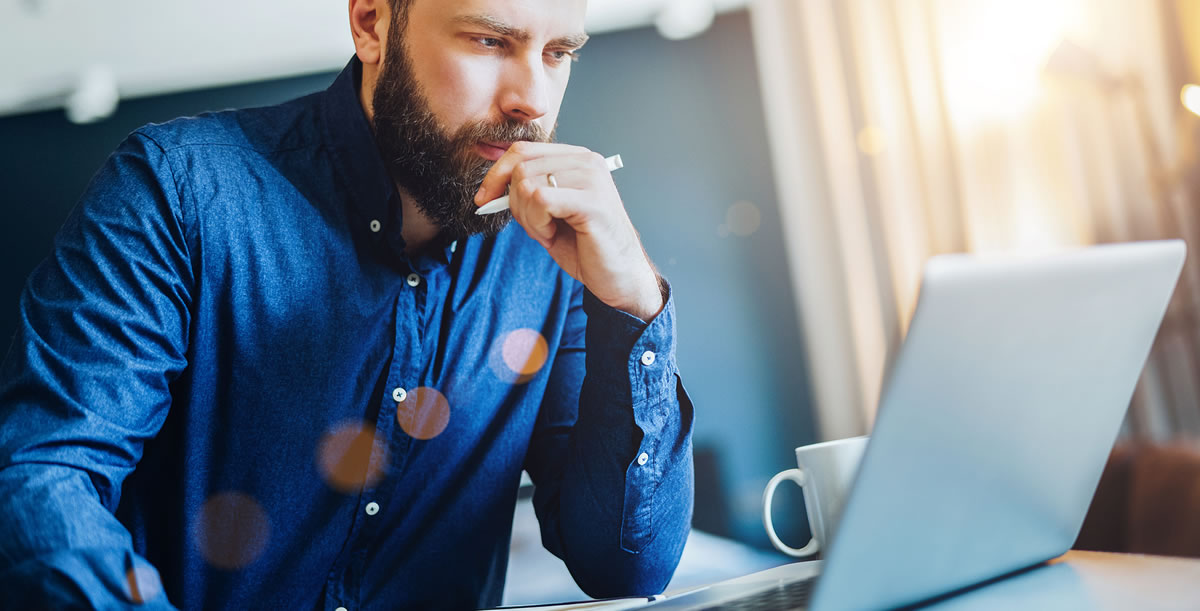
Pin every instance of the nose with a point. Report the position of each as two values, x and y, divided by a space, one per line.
525 93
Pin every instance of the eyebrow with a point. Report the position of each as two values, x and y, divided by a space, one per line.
488 22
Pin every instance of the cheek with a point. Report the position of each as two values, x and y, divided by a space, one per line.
548 121
458 90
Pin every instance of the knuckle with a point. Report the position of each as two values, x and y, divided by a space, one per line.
525 188
519 146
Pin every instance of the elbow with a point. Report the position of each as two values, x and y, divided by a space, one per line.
646 572
636 575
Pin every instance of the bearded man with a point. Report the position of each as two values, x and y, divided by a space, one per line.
277 361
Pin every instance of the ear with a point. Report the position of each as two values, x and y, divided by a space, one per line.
369 20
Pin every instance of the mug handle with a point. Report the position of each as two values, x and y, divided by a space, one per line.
801 478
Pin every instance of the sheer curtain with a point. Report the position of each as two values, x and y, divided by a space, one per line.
901 129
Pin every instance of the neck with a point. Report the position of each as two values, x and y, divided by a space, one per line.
416 229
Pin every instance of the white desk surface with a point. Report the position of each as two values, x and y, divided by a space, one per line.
1093 580
1076 581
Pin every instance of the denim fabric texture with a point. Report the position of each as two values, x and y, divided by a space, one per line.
229 389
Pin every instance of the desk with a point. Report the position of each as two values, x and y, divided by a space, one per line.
1092 580
1076 581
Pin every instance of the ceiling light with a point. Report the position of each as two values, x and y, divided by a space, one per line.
681 19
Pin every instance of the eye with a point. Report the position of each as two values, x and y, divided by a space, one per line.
560 56
489 42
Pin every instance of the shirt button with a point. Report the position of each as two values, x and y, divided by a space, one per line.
413 280
399 394
372 508
375 226
341 609
647 358
643 458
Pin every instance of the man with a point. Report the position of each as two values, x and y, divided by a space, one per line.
277 361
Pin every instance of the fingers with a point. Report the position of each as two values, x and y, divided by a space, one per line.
499 177
535 203
538 207
576 170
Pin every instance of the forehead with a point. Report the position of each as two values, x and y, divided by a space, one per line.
544 19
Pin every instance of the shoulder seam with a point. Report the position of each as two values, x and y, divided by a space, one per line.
184 145
183 214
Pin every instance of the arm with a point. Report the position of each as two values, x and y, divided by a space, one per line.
618 520
103 331
620 526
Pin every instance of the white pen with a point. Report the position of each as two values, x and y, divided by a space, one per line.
500 204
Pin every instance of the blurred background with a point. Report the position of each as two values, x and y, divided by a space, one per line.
790 165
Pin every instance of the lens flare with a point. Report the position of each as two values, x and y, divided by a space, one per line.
231 530
519 356
424 413
344 456
142 584
742 219
1190 96
525 351
872 141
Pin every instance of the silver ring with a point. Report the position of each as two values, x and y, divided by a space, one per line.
550 179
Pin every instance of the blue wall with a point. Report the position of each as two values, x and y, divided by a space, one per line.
686 118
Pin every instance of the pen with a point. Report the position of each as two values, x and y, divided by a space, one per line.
501 203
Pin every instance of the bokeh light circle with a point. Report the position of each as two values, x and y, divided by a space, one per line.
231 530
142 584
344 457
424 413
742 219
517 356
524 351
872 141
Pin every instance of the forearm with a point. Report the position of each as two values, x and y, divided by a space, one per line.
60 548
103 331
624 524
623 502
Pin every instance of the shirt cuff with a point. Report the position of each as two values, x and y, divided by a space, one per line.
634 362
625 352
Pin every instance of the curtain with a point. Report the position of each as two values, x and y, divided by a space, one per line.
902 129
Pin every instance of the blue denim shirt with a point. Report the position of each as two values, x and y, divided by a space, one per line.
231 387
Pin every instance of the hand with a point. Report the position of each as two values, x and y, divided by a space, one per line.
582 222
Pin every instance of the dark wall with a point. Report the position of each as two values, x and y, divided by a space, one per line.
686 118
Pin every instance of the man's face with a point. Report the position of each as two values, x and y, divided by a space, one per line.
459 82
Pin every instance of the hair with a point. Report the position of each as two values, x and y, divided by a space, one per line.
400 11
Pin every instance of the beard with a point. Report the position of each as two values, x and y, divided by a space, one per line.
441 172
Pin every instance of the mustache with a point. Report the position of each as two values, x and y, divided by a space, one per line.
510 130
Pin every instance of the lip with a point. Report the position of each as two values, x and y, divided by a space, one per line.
492 150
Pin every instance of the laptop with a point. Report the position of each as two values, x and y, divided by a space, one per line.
993 428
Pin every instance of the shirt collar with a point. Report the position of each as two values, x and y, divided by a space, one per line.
352 145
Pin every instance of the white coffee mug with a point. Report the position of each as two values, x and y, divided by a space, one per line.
824 471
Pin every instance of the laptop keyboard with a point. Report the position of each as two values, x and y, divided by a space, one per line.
792 595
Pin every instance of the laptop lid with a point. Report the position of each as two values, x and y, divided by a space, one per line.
997 419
